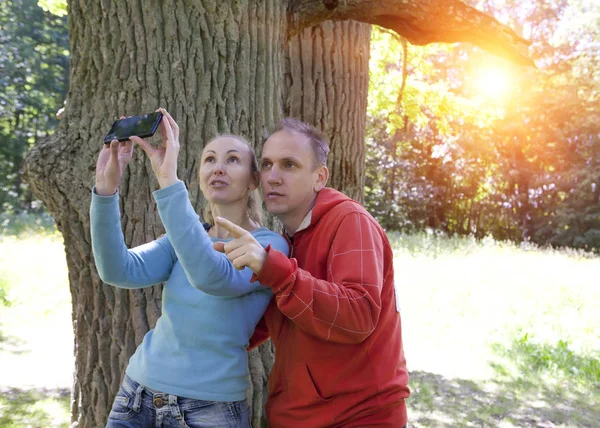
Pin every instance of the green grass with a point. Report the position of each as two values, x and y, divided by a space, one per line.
35 408
495 334
36 339
558 360
498 334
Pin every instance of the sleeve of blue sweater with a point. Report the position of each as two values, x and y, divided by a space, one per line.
139 267
206 269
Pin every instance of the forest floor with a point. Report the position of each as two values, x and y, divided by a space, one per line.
497 334
36 339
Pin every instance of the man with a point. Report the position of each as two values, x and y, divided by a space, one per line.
334 320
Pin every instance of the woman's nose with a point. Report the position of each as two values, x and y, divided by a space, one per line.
218 168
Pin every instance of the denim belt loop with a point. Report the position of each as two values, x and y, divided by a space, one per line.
175 411
137 403
234 409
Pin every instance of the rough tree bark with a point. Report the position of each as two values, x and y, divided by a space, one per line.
326 78
217 66
326 82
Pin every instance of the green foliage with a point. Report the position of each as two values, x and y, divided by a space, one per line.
34 67
26 223
56 7
4 301
443 153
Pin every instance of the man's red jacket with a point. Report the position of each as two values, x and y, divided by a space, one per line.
335 324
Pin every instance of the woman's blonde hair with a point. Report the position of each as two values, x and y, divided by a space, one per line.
254 207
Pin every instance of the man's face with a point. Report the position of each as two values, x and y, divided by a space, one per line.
289 177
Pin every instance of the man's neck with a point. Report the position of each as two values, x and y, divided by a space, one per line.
294 220
290 228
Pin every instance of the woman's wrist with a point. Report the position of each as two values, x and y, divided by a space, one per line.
167 181
101 190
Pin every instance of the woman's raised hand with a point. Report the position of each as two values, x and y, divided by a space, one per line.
163 158
111 163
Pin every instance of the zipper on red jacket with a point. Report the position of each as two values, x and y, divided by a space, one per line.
291 238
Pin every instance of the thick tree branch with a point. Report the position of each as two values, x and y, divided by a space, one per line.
419 21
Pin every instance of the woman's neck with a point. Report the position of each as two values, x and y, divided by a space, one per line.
234 213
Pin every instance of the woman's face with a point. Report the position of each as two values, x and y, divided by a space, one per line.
226 171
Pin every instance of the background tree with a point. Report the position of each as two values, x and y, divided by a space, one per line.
34 77
467 144
217 67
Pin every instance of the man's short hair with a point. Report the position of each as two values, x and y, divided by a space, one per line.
318 143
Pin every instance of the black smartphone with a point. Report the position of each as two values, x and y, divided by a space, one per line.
141 126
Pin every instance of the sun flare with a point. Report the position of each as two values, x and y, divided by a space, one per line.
493 83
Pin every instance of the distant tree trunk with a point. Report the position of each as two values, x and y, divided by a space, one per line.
523 199
326 85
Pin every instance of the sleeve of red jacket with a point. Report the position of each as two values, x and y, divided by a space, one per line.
345 306
261 333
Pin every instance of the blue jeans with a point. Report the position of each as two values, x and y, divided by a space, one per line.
138 406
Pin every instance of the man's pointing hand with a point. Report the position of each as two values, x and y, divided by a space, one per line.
243 250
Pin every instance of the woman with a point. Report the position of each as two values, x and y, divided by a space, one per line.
191 370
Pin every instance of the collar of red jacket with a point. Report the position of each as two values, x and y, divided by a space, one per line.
326 199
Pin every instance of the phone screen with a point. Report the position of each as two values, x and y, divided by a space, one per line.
142 126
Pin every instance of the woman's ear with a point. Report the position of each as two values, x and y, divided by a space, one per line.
255 181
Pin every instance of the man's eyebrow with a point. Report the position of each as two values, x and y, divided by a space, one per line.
291 159
284 159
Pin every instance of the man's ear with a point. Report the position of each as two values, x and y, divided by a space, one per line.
322 177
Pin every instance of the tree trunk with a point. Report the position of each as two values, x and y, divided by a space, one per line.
216 66
326 85
134 69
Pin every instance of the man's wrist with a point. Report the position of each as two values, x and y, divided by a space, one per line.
276 269
260 261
